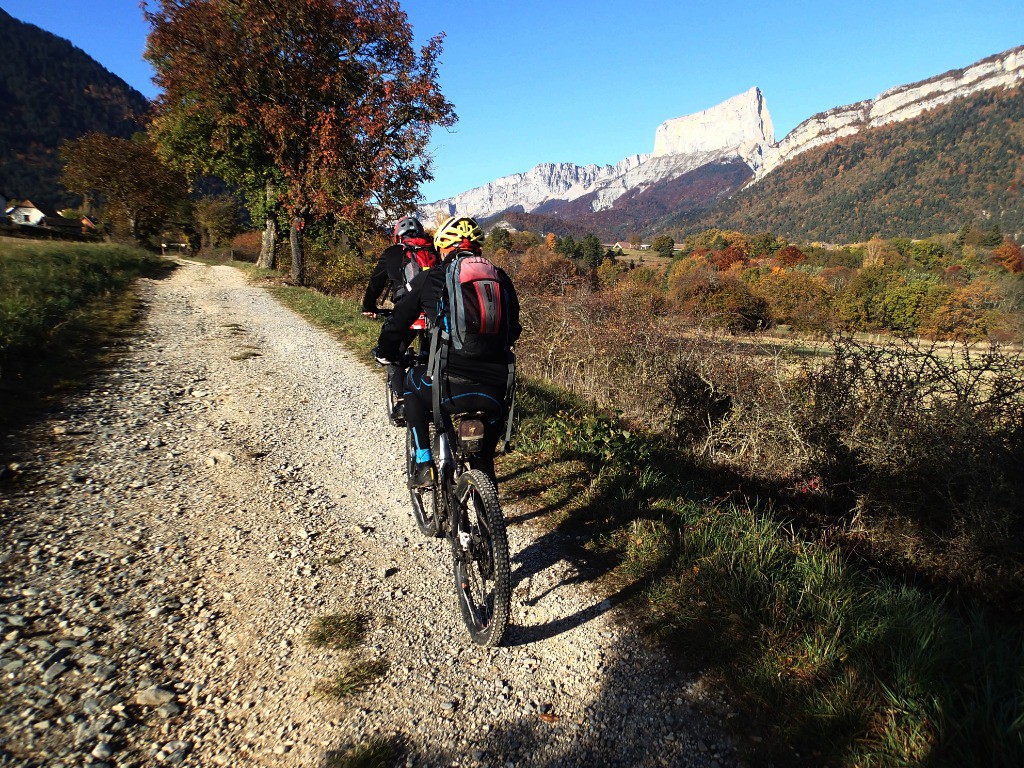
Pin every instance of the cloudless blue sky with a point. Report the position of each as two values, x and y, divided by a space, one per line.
585 81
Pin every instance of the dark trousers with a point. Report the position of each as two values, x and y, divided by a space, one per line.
396 373
458 396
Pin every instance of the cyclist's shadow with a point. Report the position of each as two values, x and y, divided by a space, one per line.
545 553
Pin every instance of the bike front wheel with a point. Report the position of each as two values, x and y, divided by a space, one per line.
482 578
424 500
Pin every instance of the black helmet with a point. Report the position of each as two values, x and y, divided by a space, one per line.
408 226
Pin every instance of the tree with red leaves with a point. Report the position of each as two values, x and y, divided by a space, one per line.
789 256
1009 256
319 107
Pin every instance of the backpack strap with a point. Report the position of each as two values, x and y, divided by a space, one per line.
510 401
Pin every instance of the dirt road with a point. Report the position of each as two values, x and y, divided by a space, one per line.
170 537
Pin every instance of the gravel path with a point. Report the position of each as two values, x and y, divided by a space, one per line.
171 535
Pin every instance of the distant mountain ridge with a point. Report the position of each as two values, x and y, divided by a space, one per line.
737 129
709 152
958 164
51 91
903 102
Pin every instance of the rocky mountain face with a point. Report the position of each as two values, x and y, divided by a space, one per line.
904 102
702 158
739 128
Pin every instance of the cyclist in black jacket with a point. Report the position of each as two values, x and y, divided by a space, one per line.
393 269
471 384
412 252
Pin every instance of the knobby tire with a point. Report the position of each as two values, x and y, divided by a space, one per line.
482 578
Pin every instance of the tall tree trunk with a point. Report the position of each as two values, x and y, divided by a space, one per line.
268 255
298 257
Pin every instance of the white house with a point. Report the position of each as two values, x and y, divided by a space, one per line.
26 212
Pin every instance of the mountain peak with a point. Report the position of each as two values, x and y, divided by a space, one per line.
742 121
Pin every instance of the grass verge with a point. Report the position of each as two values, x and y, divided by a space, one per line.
64 308
844 662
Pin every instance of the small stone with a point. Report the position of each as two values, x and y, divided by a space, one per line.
105 671
102 751
53 672
91 706
154 696
170 709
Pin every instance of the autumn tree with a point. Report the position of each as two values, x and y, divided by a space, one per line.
216 220
550 239
789 256
127 177
1009 256
663 244
321 106
727 257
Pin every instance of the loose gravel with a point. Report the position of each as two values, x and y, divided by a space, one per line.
171 535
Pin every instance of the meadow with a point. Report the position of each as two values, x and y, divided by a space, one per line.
62 306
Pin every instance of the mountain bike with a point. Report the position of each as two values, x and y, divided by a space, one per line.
463 508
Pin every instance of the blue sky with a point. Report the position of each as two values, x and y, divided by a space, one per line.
589 82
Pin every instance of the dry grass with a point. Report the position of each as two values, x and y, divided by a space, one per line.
339 632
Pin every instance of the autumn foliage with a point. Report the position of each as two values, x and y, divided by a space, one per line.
325 101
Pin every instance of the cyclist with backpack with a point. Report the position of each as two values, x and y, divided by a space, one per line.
473 311
411 253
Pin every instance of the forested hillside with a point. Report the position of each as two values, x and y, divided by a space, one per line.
955 165
51 91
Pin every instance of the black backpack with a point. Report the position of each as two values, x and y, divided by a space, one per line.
473 318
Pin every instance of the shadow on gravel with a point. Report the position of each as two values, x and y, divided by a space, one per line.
638 717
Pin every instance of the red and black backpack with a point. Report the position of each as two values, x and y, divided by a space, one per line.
419 256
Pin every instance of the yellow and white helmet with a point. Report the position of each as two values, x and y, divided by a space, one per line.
455 231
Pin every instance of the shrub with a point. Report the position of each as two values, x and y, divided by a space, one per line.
921 431
246 246
722 299
797 299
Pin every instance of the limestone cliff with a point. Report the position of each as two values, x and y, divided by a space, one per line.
1004 70
739 127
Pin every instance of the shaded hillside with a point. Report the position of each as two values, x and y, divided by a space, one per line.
51 91
960 163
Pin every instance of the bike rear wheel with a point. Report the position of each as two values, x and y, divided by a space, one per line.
424 500
482 578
